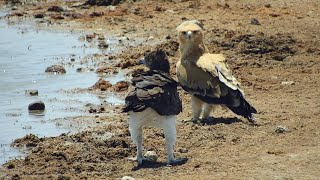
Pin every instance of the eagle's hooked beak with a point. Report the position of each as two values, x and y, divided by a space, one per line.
189 33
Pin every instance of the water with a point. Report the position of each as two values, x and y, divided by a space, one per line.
24 55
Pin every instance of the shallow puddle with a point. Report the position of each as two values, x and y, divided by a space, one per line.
25 52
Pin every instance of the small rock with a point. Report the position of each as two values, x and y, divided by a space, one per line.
103 45
80 69
274 15
168 37
112 8
14 8
255 21
182 150
77 16
72 60
101 84
106 70
151 155
267 5
11 166
127 178
136 11
16 177
121 86
63 177
89 37
136 71
39 15
92 110
159 8
57 17
281 129
126 64
197 165
96 14
32 92
17 14
56 69
28 141
287 83
36 106
55 9
279 57
101 37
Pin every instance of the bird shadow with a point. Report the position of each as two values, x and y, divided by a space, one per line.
213 121
152 164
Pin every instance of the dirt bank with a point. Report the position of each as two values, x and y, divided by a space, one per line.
278 63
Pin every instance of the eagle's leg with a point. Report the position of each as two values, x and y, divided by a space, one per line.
196 105
170 133
208 108
137 138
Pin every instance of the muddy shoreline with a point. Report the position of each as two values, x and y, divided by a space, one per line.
273 50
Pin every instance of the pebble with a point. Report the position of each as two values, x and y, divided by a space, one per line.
56 69
101 84
182 150
55 9
281 129
121 86
96 14
103 45
126 64
39 15
267 5
159 8
80 69
56 17
151 155
112 8
32 92
287 83
279 57
255 21
127 178
38 105
274 15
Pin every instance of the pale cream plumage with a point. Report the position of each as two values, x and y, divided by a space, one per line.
206 76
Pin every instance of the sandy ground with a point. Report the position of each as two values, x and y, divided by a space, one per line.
278 63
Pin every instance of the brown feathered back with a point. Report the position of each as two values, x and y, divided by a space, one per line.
156 90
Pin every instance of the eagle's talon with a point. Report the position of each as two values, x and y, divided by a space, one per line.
194 121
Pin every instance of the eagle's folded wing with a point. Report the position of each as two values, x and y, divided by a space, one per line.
215 65
155 90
